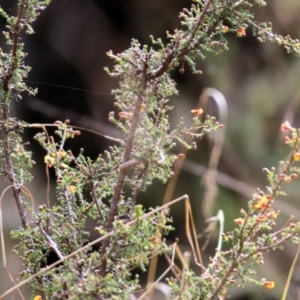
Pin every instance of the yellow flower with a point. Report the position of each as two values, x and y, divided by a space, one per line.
197 112
61 154
262 203
241 32
272 214
261 218
224 29
239 221
269 284
72 189
296 156
49 160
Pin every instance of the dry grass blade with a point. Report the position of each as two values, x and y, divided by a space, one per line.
152 285
179 163
240 187
210 177
3 245
288 280
192 238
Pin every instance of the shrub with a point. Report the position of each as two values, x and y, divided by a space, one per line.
105 189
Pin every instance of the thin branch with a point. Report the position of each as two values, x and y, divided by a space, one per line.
171 53
70 212
16 189
126 158
94 196
198 23
17 30
51 243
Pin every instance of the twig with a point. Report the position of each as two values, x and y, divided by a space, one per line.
13 65
51 243
16 191
171 53
126 158
70 212
96 200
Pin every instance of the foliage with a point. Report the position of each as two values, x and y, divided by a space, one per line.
105 189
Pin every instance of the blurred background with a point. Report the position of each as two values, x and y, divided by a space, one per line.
260 83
